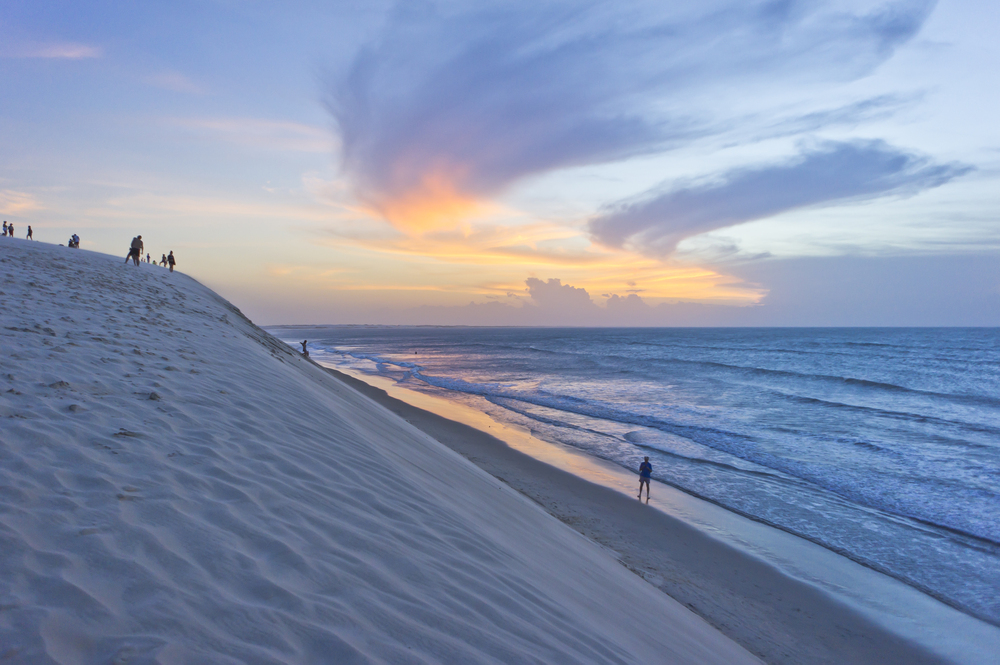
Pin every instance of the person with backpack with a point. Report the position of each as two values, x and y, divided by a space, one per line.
135 250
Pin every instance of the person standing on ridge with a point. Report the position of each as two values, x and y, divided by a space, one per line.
645 473
135 253
10 230
5 227
163 261
171 261
29 232
305 351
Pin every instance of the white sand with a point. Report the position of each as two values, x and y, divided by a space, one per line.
176 486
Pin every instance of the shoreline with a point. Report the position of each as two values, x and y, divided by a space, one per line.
785 599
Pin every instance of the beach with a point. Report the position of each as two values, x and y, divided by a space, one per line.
179 486
785 599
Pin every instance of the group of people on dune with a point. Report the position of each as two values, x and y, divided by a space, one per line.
135 253
8 230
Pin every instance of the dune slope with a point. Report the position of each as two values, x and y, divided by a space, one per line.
178 486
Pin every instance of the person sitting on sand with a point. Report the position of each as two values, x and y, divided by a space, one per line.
305 352
645 472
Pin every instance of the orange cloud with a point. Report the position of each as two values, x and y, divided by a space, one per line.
435 204
494 259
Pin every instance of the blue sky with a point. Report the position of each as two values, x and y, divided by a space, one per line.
729 163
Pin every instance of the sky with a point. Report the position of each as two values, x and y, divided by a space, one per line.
537 162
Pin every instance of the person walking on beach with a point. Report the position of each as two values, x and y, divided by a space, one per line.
305 351
171 261
29 232
645 473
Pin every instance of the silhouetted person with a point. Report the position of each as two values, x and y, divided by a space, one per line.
645 473
171 260
163 261
305 351
10 230
75 239
29 232
147 257
135 250
5 227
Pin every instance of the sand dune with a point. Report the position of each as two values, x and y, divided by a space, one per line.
177 486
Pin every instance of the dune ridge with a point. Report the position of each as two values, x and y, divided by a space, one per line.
178 486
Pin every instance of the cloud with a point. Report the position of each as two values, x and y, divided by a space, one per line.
261 133
453 105
558 298
910 290
13 202
175 82
833 173
59 50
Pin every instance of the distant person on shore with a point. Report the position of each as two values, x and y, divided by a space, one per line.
645 473
5 227
76 241
305 351
29 232
10 230
171 260
147 257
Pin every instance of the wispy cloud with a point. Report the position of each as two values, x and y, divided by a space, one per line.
176 82
544 249
261 133
53 50
13 202
451 106
832 173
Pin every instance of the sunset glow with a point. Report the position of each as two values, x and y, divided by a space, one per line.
331 164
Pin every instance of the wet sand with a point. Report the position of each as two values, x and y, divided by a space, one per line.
821 608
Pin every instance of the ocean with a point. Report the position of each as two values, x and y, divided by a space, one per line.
882 445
